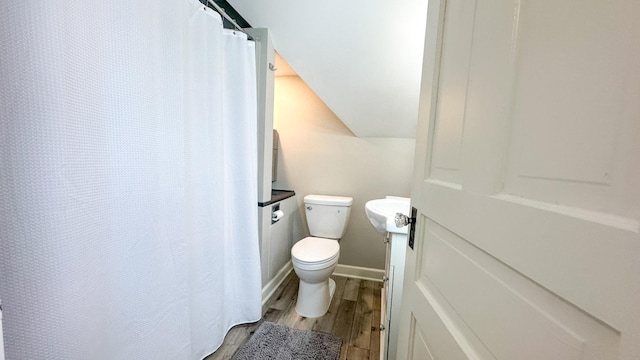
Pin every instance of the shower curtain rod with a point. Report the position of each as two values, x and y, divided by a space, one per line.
224 14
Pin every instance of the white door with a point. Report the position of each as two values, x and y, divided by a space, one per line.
527 183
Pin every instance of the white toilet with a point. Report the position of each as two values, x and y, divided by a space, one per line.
315 257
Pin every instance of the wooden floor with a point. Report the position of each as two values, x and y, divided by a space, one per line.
354 315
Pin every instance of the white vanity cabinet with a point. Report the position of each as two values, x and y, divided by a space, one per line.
381 214
392 294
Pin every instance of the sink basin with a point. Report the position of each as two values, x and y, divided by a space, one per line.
381 213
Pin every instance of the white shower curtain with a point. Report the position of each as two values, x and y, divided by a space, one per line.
128 218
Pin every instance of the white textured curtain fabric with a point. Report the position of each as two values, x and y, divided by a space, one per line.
222 164
128 218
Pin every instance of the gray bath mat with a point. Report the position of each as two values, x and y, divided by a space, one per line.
272 341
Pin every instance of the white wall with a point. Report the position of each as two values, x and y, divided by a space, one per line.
320 155
363 58
276 241
265 55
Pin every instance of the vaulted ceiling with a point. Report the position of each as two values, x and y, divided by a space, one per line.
363 58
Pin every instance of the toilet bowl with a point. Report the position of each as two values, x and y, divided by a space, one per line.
314 260
315 257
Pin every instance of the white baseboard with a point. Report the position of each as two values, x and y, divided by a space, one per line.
355 272
358 272
272 286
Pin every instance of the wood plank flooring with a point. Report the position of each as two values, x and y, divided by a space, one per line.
354 315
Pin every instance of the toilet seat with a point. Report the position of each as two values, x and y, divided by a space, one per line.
315 253
314 265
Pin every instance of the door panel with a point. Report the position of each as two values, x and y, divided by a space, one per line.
526 182
517 314
575 254
452 94
435 341
580 120
420 347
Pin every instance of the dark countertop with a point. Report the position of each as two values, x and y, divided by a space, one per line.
276 196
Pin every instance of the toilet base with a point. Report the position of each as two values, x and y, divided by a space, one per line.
332 289
314 299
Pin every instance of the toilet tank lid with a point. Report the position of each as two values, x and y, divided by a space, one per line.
328 200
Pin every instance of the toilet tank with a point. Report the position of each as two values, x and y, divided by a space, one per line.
327 216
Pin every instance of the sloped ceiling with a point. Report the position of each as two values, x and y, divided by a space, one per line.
363 58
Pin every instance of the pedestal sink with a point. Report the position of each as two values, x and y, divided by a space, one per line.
381 213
